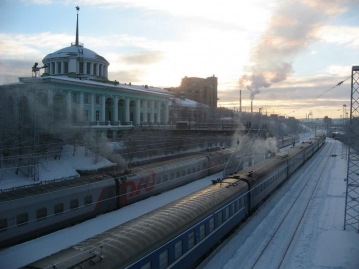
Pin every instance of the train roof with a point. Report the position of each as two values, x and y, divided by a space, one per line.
49 186
55 185
123 245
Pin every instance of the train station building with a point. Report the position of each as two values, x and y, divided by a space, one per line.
74 85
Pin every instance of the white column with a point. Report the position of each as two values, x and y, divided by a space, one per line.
152 108
69 103
127 109
138 111
103 108
167 112
144 110
159 112
92 117
81 106
116 109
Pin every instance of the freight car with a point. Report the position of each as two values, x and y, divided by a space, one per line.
27 213
177 235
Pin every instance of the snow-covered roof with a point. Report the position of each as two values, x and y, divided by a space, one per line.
84 82
75 51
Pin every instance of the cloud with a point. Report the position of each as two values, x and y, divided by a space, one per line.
292 29
134 76
142 58
10 70
343 35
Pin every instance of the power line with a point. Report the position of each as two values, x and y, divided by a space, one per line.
340 83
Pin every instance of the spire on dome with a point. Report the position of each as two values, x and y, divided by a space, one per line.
77 26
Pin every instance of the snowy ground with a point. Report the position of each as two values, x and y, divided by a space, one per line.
319 241
301 226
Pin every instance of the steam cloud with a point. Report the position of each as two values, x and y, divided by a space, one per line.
292 28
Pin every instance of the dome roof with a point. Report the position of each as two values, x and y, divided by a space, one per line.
75 51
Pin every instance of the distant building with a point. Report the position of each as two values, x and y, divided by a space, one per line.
202 90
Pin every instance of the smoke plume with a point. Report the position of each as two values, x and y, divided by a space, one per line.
292 28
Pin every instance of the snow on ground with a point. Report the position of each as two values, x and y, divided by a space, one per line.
51 168
320 243
319 240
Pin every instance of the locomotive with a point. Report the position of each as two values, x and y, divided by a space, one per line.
179 234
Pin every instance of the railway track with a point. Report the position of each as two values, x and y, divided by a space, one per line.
287 226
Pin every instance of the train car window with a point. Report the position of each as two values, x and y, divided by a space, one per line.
158 181
211 225
193 170
188 171
41 213
165 178
3 225
177 174
190 240
74 204
59 208
202 232
88 200
183 173
232 209
164 259
178 250
172 176
219 218
22 219
198 168
227 213
147 266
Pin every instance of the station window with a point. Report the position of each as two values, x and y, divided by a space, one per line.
59 68
190 240
97 115
41 213
22 219
66 67
178 249
74 204
88 69
3 225
86 98
97 99
164 259
94 69
88 200
59 208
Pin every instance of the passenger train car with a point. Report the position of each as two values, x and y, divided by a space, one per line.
179 234
30 212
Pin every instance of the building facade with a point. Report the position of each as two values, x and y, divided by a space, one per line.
75 88
202 90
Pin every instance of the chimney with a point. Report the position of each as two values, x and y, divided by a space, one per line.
240 100
251 106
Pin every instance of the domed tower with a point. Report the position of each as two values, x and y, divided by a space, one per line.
76 61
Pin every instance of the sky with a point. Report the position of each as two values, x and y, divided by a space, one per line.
282 54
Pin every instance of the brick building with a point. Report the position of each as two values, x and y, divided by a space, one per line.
202 90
